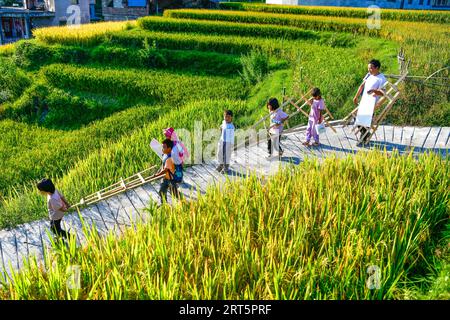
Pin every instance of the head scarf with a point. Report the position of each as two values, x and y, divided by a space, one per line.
171 134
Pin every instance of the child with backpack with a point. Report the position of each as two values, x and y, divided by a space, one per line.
179 151
171 175
57 206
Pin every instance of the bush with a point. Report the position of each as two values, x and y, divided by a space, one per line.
28 54
30 105
114 55
12 81
69 54
150 56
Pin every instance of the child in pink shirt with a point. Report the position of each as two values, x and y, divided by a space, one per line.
277 118
315 117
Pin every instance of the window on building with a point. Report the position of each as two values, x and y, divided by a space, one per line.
137 3
441 3
116 3
421 3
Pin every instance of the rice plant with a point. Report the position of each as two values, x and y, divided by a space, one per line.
86 34
311 241
151 86
310 232
434 16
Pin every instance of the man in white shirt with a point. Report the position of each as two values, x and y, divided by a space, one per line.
372 85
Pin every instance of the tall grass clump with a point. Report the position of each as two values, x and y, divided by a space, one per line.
255 65
12 81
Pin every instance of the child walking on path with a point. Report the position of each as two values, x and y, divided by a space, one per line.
277 117
168 172
315 117
226 142
56 204
179 150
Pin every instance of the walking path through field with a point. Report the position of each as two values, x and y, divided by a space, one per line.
119 212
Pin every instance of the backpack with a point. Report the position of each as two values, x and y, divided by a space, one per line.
176 177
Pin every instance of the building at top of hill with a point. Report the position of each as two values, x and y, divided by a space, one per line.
388 4
113 10
19 17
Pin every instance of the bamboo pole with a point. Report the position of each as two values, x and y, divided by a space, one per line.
116 188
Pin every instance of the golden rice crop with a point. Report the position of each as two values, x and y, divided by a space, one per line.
84 34
7 49
312 232
434 16
395 30
425 43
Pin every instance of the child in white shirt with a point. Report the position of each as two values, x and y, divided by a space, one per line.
226 142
